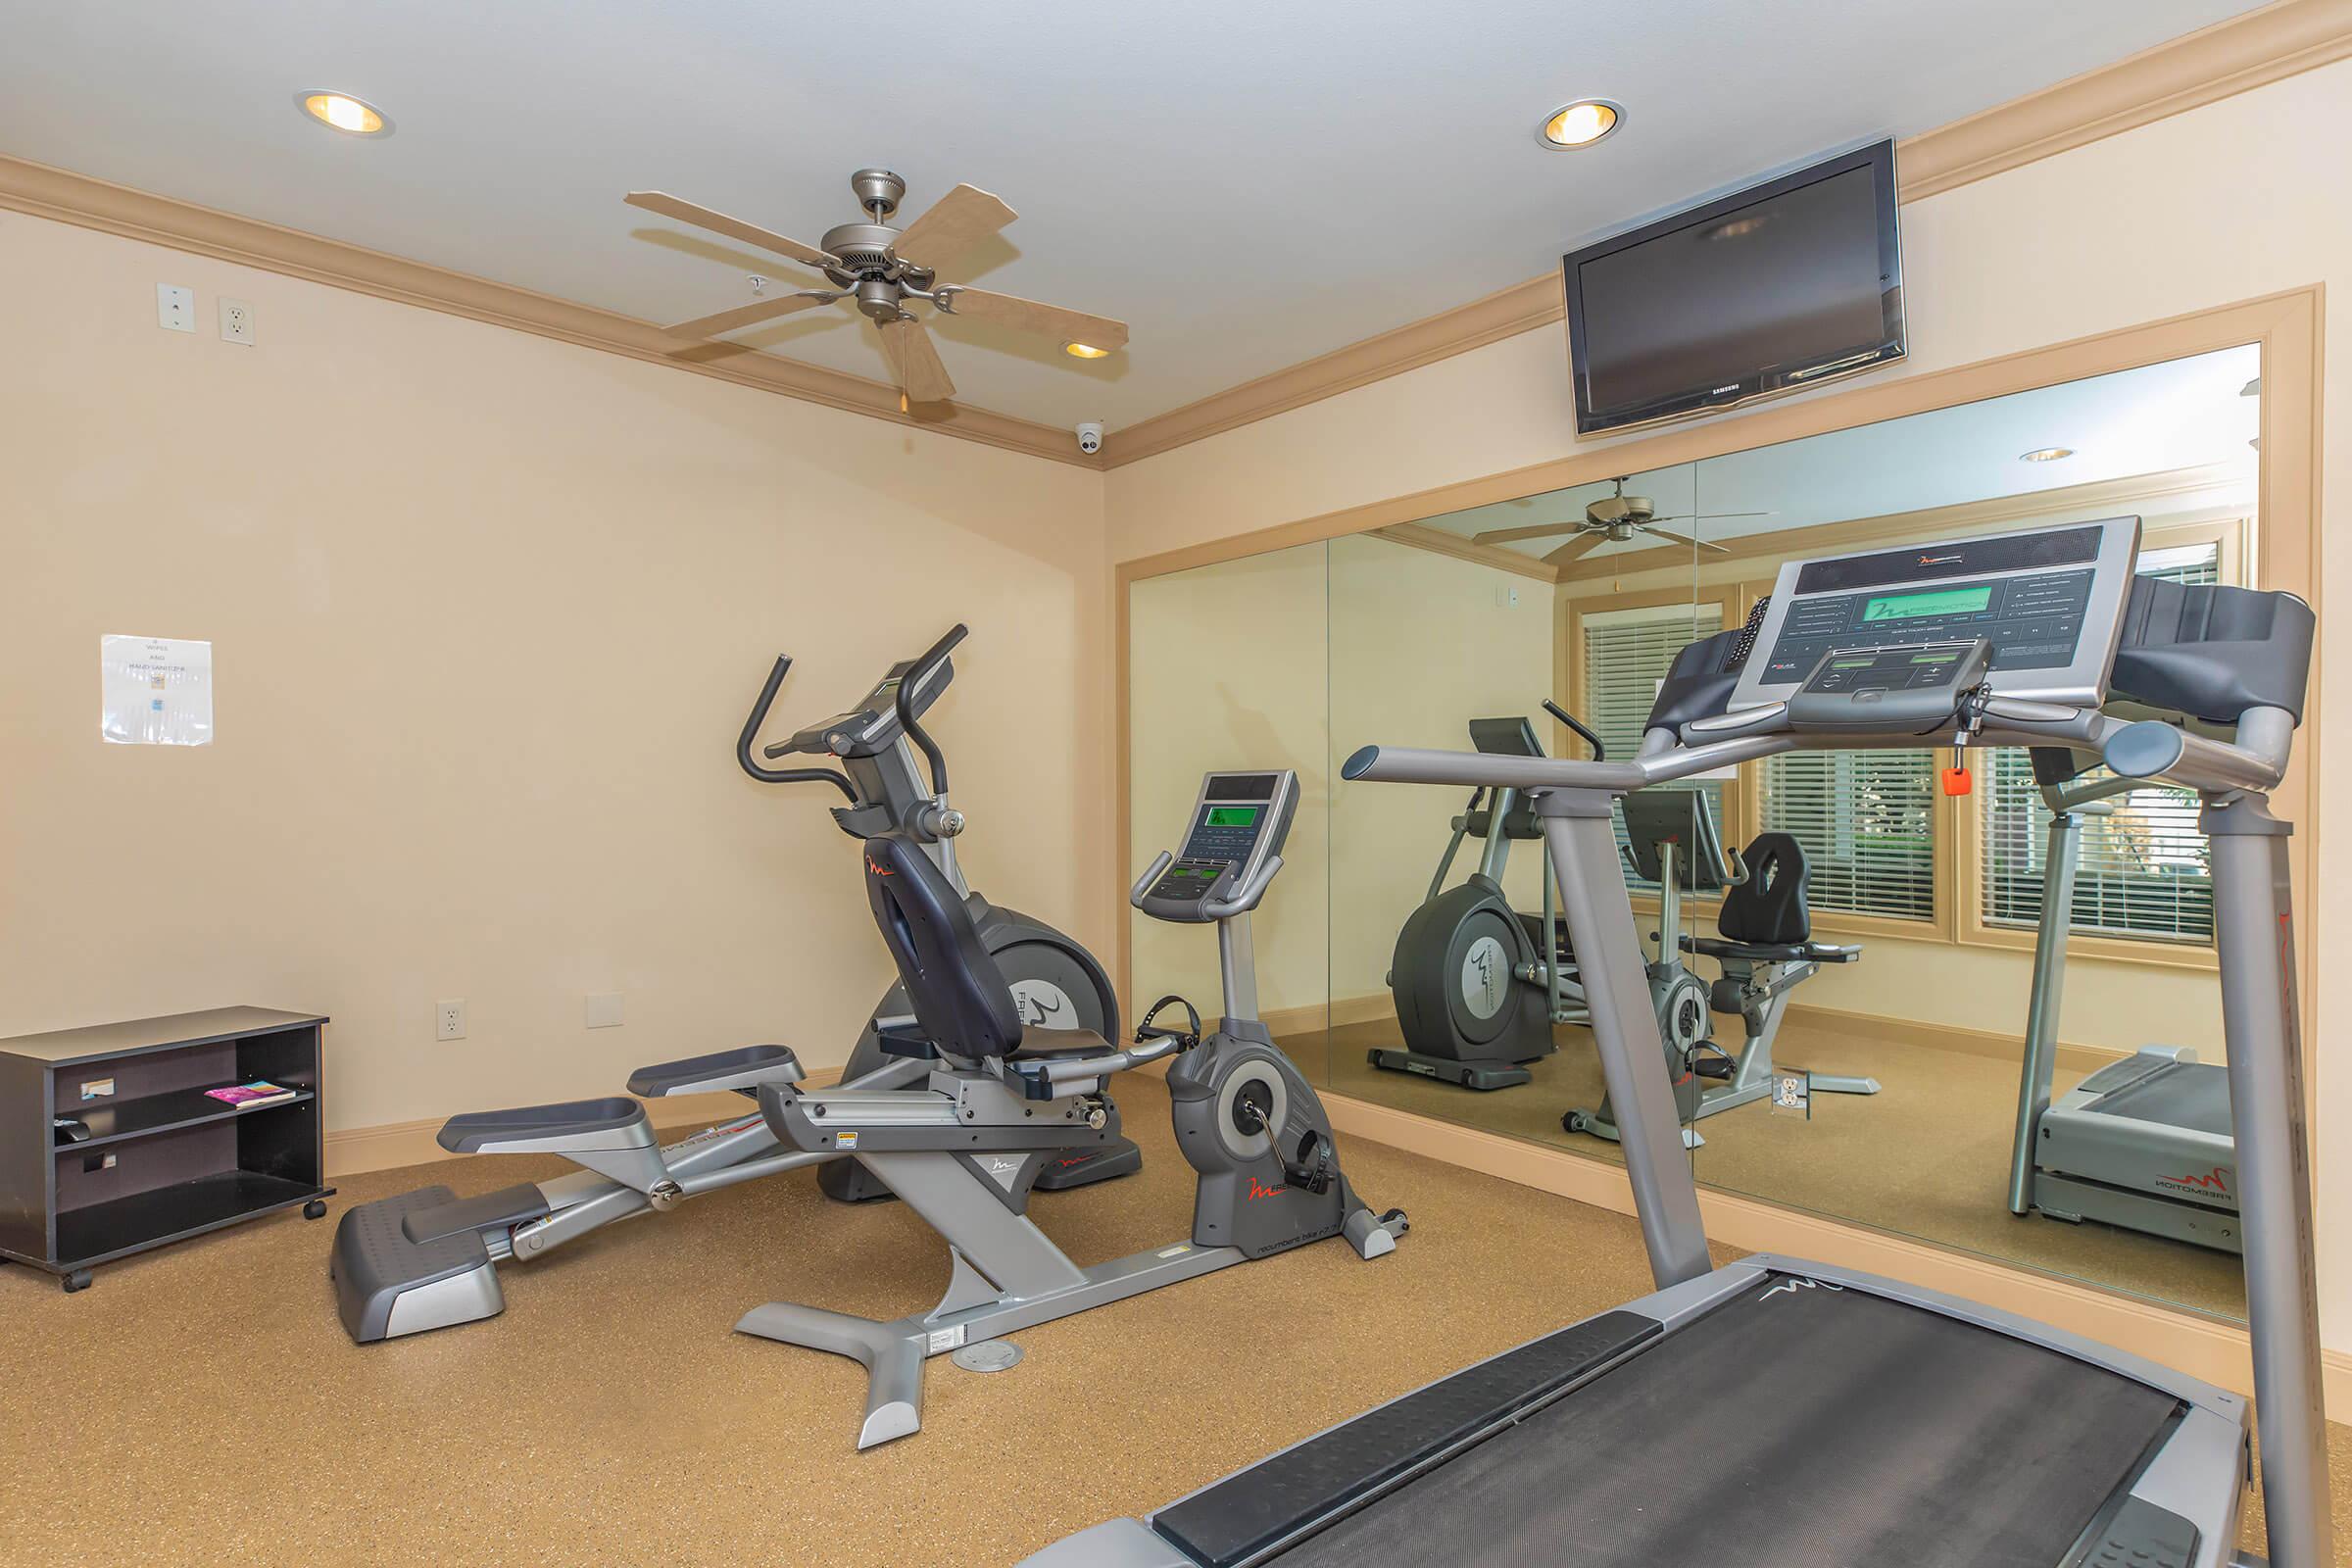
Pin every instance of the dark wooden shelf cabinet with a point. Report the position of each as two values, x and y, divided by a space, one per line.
164 1160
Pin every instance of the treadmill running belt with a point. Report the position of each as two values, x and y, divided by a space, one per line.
1799 1424
2194 1095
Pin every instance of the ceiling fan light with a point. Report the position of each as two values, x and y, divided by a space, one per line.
340 111
1580 123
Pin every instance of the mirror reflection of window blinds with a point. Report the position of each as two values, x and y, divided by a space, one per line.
1626 652
1866 822
2144 871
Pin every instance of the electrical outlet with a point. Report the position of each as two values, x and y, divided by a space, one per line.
604 1010
175 308
236 321
449 1020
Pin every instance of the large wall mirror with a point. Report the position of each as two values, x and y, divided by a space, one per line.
1406 956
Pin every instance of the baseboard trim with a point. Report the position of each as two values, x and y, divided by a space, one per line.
2206 1348
389 1145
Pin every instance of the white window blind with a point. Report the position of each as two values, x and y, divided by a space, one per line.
1866 822
2143 872
1625 654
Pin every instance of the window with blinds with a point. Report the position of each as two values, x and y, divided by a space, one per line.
1866 822
2143 872
1624 656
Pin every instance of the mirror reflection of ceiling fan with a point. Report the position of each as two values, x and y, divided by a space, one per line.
1618 518
881 267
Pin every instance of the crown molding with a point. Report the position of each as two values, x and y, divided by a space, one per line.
1437 541
1966 516
2229 57
77 199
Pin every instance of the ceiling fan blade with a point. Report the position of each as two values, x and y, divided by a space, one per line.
1576 548
1504 536
742 316
1683 538
914 362
1708 516
1027 316
954 224
735 229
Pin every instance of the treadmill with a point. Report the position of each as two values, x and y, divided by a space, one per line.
2143 1141
1780 1412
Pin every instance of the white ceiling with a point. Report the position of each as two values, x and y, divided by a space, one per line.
2185 414
1247 184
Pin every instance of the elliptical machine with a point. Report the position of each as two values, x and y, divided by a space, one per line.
427 1260
1057 984
1477 984
1004 1099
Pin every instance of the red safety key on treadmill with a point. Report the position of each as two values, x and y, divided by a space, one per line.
1957 782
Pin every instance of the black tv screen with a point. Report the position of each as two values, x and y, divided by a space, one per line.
1782 286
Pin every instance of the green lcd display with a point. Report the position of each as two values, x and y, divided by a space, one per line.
1233 817
1938 601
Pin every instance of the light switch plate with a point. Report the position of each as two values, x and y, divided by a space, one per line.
604 1010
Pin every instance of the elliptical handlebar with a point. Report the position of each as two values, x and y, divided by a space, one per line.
782 775
1600 751
931 660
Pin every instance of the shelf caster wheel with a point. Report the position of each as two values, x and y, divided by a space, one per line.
316 1208
1574 1122
79 1280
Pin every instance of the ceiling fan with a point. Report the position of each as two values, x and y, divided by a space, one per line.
1618 518
881 267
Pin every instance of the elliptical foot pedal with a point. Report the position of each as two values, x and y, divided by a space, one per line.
742 1069
387 1285
1468 1074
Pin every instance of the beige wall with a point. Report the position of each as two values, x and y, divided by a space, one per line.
487 610
1292 658
1227 669
1420 645
2225 203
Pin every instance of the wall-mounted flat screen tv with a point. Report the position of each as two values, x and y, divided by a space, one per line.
1774 289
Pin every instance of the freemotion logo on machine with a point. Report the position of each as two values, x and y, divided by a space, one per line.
2213 1185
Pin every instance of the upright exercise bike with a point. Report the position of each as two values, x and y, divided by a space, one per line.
1004 1099
427 1260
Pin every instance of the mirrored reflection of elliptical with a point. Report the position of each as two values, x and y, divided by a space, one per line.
1477 992
1765 948
1057 984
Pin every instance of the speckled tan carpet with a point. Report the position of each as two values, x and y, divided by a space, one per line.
201 1406
1927 1156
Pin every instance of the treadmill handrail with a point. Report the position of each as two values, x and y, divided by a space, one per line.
2149 748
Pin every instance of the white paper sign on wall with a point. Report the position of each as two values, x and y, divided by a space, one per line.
155 691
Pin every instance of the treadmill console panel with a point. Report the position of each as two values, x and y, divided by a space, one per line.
1898 686
1239 822
2047 604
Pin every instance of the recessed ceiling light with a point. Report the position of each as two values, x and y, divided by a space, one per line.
2045 454
342 112
1083 350
1580 123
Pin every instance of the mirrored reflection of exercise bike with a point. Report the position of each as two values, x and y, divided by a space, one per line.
1765 950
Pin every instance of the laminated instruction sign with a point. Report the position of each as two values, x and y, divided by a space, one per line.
155 691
